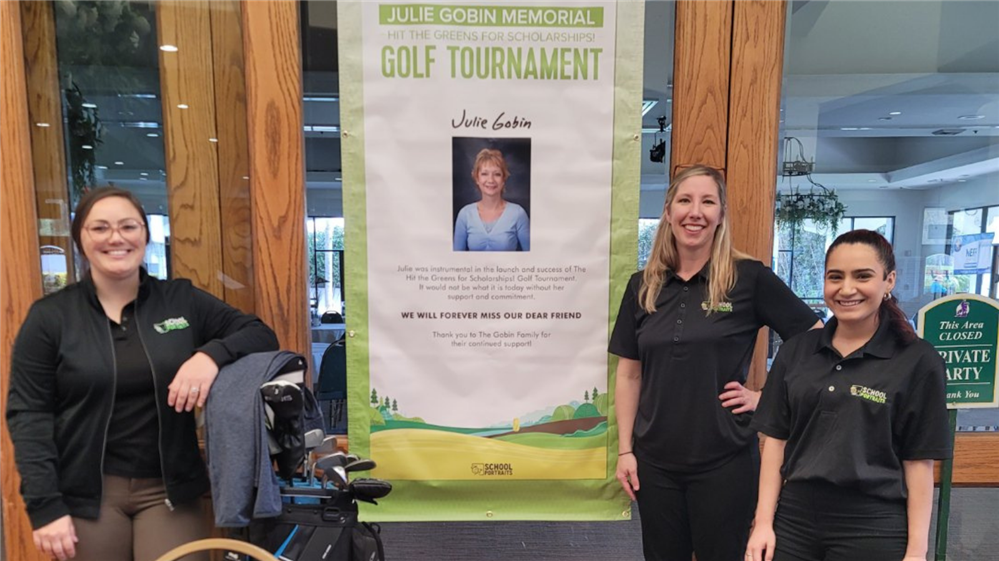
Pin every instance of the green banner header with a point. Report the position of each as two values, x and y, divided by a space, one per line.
489 16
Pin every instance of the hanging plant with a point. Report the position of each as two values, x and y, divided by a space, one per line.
102 48
84 131
821 207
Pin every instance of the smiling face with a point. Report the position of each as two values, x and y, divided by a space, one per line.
695 213
490 179
855 285
114 238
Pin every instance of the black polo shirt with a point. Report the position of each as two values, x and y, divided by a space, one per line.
850 421
133 435
688 356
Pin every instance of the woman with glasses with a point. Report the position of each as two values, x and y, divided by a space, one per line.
104 376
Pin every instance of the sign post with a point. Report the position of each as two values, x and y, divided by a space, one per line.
964 328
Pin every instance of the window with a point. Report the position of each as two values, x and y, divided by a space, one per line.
325 256
799 254
969 222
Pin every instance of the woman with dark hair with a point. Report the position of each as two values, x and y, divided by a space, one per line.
685 336
493 223
855 414
104 376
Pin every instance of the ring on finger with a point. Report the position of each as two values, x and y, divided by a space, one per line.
195 390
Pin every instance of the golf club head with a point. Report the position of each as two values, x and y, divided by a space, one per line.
285 399
368 489
360 464
333 470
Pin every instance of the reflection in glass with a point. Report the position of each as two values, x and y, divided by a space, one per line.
108 66
903 123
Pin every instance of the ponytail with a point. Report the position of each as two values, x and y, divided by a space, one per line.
900 325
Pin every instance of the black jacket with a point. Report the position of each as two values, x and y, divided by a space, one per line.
62 388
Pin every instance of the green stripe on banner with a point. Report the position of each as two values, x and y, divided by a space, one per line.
355 226
489 16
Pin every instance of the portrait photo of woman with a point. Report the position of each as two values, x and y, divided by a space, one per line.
493 222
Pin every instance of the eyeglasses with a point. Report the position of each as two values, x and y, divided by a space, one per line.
129 229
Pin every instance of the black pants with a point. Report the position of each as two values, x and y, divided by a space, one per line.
708 513
825 522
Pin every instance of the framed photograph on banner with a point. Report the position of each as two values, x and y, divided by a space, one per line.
934 226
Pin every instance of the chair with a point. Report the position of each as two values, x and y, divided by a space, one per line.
332 385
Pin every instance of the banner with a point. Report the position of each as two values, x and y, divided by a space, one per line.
481 143
972 254
964 328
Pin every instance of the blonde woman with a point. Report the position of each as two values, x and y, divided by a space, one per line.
493 223
685 336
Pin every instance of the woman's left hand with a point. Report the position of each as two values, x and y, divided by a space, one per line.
193 381
741 398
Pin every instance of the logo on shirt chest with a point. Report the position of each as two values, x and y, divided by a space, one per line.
172 324
721 307
869 394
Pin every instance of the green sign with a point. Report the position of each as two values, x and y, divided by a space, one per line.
964 328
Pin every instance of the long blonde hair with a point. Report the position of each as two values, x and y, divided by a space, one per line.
665 257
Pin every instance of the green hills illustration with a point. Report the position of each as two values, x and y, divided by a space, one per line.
568 426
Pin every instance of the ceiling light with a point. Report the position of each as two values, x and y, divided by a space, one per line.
143 174
168 48
872 180
962 180
89 105
326 99
848 128
87 147
970 117
864 129
321 128
213 140
152 134
144 178
102 167
181 106
895 113
140 124
42 125
119 163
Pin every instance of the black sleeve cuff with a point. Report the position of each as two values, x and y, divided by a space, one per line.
46 511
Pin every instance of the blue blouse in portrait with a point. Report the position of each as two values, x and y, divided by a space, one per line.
511 229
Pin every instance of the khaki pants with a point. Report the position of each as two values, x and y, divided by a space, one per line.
136 525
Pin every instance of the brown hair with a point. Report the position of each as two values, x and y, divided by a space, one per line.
886 256
664 256
490 156
88 201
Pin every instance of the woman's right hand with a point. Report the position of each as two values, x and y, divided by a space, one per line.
761 543
627 473
57 539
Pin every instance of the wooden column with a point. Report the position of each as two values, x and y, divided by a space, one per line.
233 154
701 85
45 122
277 168
20 276
757 56
191 157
